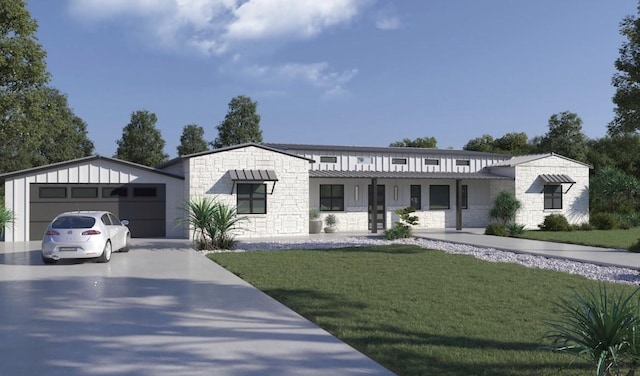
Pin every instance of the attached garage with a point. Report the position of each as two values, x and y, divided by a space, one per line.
143 205
149 198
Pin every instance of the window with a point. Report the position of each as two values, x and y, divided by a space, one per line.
328 159
331 197
553 196
431 162
53 192
438 197
114 192
144 192
252 198
84 192
416 200
398 160
465 197
365 160
463 162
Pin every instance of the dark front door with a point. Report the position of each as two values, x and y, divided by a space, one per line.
382 216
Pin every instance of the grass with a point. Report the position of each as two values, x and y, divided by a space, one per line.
599 238
422 312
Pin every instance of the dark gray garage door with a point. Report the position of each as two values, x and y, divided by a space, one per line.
143 205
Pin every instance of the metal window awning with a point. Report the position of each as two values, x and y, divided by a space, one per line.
253 175
558 179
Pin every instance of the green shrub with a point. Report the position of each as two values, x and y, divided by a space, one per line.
496 229
505 207
585 226
515 229
603 221
402 228
555 222
635 247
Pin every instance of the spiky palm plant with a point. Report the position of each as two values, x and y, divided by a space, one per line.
200 212
600 327
6 219
223 224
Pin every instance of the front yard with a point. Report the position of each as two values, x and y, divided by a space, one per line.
599 238
422 312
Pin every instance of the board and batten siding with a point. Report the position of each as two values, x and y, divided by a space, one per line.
96 171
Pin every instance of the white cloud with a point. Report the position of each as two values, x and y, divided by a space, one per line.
386 18
216 26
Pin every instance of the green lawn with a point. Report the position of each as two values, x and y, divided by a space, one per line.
421 312
599 238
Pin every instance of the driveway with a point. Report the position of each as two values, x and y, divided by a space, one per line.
161 309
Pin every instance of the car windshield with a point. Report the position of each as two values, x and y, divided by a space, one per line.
73 222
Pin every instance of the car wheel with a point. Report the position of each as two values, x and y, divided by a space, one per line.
126 243
106 253
48 261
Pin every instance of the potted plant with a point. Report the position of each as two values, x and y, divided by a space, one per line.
315 223
330 221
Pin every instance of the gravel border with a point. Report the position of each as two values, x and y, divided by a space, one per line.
591 271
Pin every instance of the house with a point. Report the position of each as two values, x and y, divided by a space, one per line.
275 185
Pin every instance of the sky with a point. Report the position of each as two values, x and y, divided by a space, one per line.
335 72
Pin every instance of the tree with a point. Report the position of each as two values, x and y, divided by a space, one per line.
420 142
613 151
565 137
22 73
613 190
141 141
192 140
627 79
483 143
240 125
513 143
505 207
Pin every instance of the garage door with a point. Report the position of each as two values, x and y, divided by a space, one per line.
143 205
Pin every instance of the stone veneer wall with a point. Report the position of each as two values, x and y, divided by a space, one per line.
529 188
288 206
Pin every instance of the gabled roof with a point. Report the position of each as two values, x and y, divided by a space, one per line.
96 157
515 161
233 147
406 175
381 149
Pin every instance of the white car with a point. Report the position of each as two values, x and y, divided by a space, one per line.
84 234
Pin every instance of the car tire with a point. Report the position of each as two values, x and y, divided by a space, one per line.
48 261
126 243
106 253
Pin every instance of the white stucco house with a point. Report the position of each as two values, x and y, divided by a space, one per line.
275 186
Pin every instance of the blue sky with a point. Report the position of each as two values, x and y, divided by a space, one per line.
344 72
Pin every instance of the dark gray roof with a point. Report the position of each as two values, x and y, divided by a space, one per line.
406 175
380 149
52 166
253 175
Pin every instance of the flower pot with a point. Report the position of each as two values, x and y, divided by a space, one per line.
330 230
315 226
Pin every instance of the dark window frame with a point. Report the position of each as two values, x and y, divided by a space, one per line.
431 162
42 190
464 189
328 159
415 196
146 192
253 196
434 195
553 196
399 161
463 162
80 192
334 201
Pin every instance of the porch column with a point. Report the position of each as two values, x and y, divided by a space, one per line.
458 204
374 205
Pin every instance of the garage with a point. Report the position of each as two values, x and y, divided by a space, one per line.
143 205
149 198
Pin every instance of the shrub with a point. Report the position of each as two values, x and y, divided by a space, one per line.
515 229
555 222
497 229
635 247
402 228
314 214
213 223
585 226
6 220
505 207
603 221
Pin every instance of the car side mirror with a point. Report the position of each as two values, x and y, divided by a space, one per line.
124 222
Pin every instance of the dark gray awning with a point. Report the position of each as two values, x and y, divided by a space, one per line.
253 175
556 178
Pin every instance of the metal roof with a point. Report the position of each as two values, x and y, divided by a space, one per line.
253 175
406 175
380 149
556 178
533 157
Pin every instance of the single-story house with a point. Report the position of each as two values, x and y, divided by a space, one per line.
275 186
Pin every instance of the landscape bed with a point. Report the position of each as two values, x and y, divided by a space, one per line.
421 312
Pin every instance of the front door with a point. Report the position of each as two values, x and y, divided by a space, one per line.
382 213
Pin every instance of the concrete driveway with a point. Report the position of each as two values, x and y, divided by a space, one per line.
161 309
